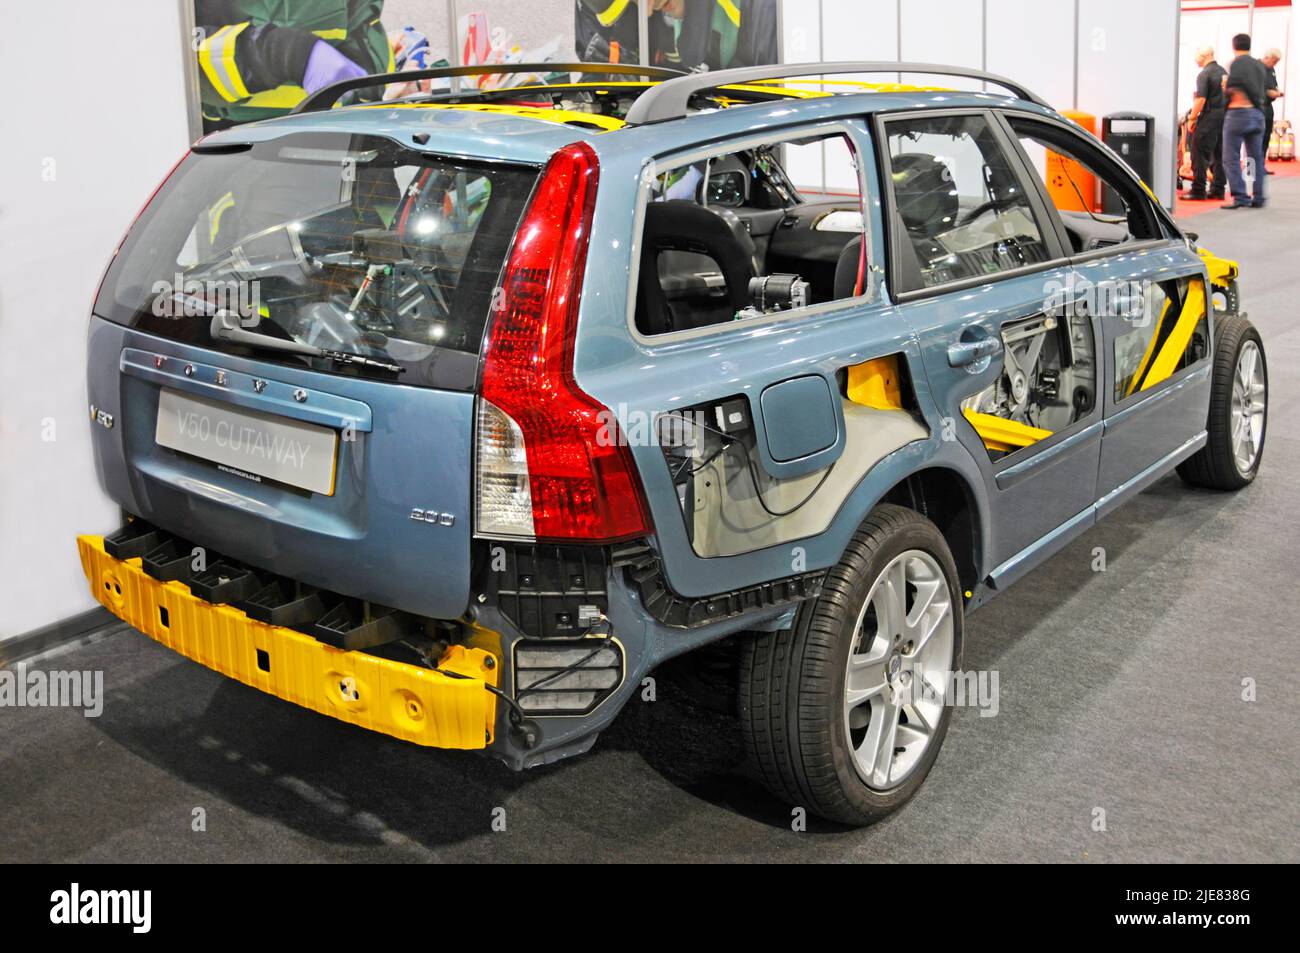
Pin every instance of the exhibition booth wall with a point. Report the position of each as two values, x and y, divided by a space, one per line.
84 149
1099 56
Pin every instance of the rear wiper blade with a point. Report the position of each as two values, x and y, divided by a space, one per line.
223 328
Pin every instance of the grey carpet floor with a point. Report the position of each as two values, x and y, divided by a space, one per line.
1120 692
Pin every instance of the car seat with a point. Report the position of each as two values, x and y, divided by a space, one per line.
846 269
684 226
924 193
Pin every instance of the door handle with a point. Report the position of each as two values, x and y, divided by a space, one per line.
965 353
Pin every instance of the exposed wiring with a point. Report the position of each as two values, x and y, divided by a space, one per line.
605 641
686 467
728 442
862 211
516 713
758 492
1087 206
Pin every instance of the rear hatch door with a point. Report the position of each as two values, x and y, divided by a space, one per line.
329 438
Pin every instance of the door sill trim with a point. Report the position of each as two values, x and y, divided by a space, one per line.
1054 540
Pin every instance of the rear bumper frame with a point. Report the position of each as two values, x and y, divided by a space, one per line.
405 701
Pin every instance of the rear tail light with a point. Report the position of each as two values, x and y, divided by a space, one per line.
504 501
579 483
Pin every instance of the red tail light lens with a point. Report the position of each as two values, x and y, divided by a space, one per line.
583 483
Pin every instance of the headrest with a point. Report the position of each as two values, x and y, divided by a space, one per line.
684 226
925 193
680 225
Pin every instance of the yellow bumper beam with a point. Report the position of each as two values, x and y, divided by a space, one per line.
410 702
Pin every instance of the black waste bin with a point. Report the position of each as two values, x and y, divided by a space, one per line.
1133 137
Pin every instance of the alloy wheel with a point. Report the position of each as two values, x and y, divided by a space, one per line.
1249 405
896 683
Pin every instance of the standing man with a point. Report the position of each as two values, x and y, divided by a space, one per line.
1205 125
1270 61
1243 124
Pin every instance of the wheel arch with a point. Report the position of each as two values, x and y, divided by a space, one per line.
947 498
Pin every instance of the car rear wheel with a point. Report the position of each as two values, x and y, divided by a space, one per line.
844 713
1238 416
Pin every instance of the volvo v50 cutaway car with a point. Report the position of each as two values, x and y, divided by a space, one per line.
456 415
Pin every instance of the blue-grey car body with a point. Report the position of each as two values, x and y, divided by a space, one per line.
418 442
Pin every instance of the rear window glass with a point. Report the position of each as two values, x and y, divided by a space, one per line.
384 258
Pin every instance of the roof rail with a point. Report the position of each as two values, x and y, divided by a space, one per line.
669 100
327 96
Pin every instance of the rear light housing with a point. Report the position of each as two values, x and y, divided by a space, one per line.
549 464
504 497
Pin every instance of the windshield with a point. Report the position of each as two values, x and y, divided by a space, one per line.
348 243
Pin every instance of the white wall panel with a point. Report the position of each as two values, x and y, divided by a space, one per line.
1285 71
1032 41
859 29
1126 63
942 31
801 26
84 148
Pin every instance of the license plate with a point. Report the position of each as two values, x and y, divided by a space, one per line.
247 442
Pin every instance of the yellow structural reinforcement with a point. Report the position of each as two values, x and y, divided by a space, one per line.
791 89
1004 435
406 701
1157 366
544 113
1221 270
875 383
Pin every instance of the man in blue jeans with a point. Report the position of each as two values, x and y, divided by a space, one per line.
1243 124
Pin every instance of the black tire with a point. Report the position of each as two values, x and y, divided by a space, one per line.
792 681
1215 466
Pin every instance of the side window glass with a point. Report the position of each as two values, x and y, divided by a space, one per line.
736 237
958 201
1075 184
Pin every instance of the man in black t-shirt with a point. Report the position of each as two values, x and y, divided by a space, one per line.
1270 61
1243 125
1205 127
